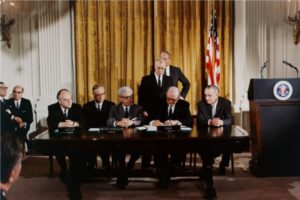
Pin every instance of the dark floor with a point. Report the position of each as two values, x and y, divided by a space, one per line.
35 184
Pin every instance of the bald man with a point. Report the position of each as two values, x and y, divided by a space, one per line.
174 111
63 114
21 111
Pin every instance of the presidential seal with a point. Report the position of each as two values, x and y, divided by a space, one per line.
282 90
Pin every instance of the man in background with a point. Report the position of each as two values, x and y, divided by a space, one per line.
11 158
96 114
21 110
215 111
176 74
152 91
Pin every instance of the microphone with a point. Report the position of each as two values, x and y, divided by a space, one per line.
262 68
291 66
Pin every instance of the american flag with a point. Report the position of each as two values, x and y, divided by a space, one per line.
212 59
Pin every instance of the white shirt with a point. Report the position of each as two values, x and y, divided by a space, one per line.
124 107
214 108
2 99
167 71
65 110
18 102
172 107
158 77
98 105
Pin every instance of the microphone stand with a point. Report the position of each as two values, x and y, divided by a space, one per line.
291 66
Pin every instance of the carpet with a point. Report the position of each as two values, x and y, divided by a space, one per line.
34 184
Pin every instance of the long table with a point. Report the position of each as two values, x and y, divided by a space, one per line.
205 140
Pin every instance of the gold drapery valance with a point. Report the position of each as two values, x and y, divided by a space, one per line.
116 43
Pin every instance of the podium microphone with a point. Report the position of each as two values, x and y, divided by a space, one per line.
291 66
262 68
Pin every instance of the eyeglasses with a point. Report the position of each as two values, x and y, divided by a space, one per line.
18 92
126 97
5 88
100 94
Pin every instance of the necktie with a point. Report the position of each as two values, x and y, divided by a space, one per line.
98 107
65 113
17 105
159 82
170 112
126 112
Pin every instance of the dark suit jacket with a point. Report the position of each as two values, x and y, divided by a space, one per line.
56 115
181 112
6 122
151 96
117 113
93 117
223 111
177 75
24 112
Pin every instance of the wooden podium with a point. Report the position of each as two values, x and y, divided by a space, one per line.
275 127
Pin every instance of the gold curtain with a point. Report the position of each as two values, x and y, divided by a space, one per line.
117 41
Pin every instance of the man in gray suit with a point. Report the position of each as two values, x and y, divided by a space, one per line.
125 114
176 74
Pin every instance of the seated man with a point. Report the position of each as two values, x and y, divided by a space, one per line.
63 114
125 114
215 111
11 161
96 114
174 112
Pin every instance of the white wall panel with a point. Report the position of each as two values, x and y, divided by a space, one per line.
41 55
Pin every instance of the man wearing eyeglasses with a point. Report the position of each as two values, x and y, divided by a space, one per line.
174 111
21 111
96 114
125 114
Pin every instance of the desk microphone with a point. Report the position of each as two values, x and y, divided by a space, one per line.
262 68
291 66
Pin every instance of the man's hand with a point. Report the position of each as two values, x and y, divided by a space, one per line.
145 114
171 122
217 122
18 120
156 123
22 125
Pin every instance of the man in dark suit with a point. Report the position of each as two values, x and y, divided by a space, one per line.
174 112
125 114
6 118
215 111
62 114
176 74
21 111
96 113
152 91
